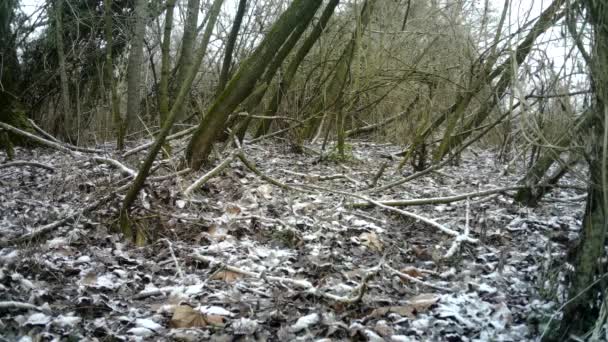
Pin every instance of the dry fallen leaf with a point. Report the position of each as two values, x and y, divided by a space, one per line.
412 271
371 241
185 316
423 301
233 210
215 319
227 276
416 304
403 310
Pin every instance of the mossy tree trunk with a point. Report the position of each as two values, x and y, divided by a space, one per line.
546 20
252 102
68 116
114 100
244 81
585 293
10 78
335 89
292 68
163 97
134 68
184 90
531 195
230 44
187 50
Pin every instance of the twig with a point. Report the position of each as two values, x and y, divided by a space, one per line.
378 174
171 175
415 280
20 305
179 269
251 166
212 173
300 283
437 200
18 163
431 222
120 166
52 138
169 138
38 232
315 177
460 238
49 143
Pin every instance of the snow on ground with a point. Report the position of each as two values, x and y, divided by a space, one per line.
248 260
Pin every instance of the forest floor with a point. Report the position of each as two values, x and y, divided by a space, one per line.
242 259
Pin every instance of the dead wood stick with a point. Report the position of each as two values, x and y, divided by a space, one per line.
18 163
39 232
171 175
428 221
20 305
262 117
212 173
120 166
169 138
300 283
52 138
46 142
315 177
436 200
251 166
463 237
378 174
415 280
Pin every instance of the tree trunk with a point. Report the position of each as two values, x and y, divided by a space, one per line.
109 74
546 20
252 102
187 50
136 60
234 33
336 86
584 294
184 90
293 66
529 196
63 76
243 82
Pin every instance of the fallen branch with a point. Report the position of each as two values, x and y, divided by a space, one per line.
42 141
300 283
171 175
39 232
120 166
52 138
460 238
19 163
415 280
314 177
251 166
20 305
378 174
435 200
212 173
428 221
169 138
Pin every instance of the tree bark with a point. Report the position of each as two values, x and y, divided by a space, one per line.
243 82
63 76
136 60
109 74
234 33
585 293
184 89
293 66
